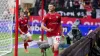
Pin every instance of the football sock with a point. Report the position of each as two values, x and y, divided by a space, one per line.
56 53
25 45
29 40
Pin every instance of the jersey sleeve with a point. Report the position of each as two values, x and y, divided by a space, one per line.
19 22
59 19
44 20
28 21
29 24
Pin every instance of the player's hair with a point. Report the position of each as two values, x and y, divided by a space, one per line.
52 4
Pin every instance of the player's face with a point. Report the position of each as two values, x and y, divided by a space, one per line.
51 8
22 14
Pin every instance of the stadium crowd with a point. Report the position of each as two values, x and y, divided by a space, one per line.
70 3
88 5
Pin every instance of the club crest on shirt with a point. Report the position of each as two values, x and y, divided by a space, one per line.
21 22
43 18
58 33
56 16
25 20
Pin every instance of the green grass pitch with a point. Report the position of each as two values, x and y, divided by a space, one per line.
32 51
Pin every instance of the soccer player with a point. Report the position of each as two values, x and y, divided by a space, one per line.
23 28
52 24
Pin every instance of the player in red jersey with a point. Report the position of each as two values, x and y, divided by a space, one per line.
23 28
52 24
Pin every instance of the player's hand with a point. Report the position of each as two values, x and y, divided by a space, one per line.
23 33
49 30
63 36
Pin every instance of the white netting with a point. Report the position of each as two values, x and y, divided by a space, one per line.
6 22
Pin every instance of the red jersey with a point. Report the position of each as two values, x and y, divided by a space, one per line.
88 7
23 23
53 21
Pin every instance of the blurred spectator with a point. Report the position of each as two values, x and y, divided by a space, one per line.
65 4
46 3
61 3
37 4
81 4
88 6
69 4
26 12
93 13
76 5
99 4
34 11
55 2
95 4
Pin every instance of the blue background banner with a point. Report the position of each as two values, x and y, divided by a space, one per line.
36 28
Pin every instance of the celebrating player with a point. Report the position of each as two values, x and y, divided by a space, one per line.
23 28
52 24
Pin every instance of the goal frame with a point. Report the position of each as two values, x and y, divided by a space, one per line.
16 28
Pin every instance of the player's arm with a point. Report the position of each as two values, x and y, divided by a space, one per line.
62 35
43 24
44 27
61 28
20 30
28 25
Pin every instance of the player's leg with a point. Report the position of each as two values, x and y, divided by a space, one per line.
56 43
29 37
25 46
50 42
24 37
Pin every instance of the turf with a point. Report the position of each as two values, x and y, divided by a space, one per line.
34 37
32 51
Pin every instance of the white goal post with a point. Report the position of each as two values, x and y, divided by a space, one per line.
6 25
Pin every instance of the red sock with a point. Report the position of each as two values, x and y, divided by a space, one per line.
25 45
56 53
29 40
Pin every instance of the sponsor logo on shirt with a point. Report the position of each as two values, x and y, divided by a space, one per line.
55 23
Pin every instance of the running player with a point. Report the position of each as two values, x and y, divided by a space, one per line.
52 24
23 28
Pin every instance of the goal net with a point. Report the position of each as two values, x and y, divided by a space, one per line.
6 23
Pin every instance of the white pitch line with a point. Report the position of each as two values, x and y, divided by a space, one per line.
18 37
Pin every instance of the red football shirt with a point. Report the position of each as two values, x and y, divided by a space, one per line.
53 21
23 23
